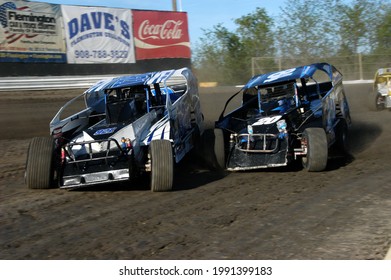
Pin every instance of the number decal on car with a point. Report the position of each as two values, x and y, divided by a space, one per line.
280 74
268 120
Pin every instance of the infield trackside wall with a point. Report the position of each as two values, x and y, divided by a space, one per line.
54 69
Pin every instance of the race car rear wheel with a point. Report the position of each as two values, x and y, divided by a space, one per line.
317 149
162 165
40 163
341 137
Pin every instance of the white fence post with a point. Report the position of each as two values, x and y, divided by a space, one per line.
360 66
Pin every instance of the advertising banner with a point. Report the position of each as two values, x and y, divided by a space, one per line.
98 35
159 34
31 32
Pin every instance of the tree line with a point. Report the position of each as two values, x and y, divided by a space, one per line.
303 28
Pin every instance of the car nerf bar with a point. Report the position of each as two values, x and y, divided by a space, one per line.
255 143
93 154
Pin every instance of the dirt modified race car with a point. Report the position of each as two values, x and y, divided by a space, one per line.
130 125
381 93
294 114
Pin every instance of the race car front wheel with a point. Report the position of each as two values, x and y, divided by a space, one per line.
317 149
213 148
219 149
379 102
162 165
39 166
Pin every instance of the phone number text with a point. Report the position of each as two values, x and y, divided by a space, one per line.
101 54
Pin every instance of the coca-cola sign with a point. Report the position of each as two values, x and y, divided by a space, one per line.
170 29
160 34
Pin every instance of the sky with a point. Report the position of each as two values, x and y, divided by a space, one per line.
202 14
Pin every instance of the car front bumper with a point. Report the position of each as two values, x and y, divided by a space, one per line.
257 151
94 178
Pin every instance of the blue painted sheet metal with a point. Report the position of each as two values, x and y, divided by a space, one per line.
138 79
132 80
289 74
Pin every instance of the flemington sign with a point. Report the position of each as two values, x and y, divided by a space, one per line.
29 23
159 34
31 32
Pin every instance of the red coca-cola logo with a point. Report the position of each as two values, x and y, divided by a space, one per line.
169 30
161 34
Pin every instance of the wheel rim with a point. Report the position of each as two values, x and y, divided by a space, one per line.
379 102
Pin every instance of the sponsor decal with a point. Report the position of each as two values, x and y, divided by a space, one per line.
105 131
160 34
31 32
98 35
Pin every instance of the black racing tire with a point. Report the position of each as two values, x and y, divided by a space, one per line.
379 102
317 149
40 163
219 148
162 165
133 169
376 102
341 137
213 149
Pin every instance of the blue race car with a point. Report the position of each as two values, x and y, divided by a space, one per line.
289 115
128 126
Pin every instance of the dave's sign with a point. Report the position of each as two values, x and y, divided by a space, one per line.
159 34
98 35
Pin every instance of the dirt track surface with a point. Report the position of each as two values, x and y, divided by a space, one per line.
341 213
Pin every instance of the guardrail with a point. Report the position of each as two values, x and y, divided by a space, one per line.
45 83
68 82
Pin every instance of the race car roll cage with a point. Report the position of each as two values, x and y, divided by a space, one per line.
120 108
321 89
